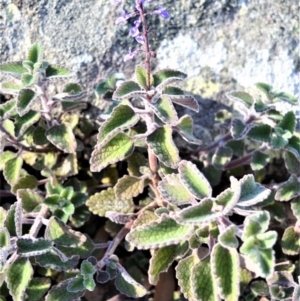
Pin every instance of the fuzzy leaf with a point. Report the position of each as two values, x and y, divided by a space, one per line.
128 286
106 200
54 71
28 181
288 190
225 269
35 54
4 157
87 268
7 108
295 206
283 96
185 129
29 79
260 133
145 218
221 157
29 247
22 123
37 288
173 191
141 76
4 239
290 241
252 192
183 274
239 129
165 110
259 160
288 122
18 278
202 282
128 187
13 68
128 89
165 76
292 164
267 89
243 97
117 149
62 137
12 169
194 180
294 146
134 162
186 101
227 238
159 233
161 143
121 118
163 257
256 223
11 87
278 141
10 222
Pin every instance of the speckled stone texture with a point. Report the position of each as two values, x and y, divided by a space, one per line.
223 45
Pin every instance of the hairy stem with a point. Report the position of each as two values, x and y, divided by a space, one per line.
38 222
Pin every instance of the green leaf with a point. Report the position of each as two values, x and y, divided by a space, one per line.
134 162
292 164
295 206
122 117
267 89
37 288
30 247
165 110
14 68
18 278
290 241
39 137
225 267
10 222
60 292
239 129
259 160
173 191
261 107
256 223
283 96
117 149
128 286
163 257
9 126
294 146
61 234
128 187
141 77
87 268
128 89
11 87
161 143
259 288
184 273
221 157
278 141
35 55
12 169
76 284
89 283
4 239
106 200
2 216
62 137
27 181
162 232
185 129
22 123
29 199
166 76
8 108
4 157
288 122
202 282
260 133
29 79
194 180
54 71
288 190
145 218
186 101
52 261
227 238
243 97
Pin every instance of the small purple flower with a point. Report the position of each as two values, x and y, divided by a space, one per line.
140 39
123 18
134 31
162 12
130 55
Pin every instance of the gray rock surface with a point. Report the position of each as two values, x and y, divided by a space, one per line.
223 45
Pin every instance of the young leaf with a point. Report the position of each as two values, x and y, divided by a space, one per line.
185 129
292 164
288 190
239 129
117 149
12 169
87 268
89 283
259 160
194 180
141 76
35 55
202 282
14 68
252 192
37 288
159 233
163 257
18 278
173 191
106 200
122 117
128 286
128 89
290 241
227 238
128 187
165 110
161 143
221 157
54 71
62 137
29 247
260 133
256 223
225 267
166 76
29 79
